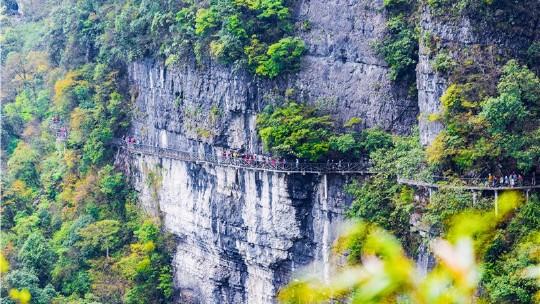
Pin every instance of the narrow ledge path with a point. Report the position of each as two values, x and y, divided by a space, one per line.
417 183
278 166
350 168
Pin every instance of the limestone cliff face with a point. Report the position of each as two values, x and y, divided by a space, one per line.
430 83
242 233
342 68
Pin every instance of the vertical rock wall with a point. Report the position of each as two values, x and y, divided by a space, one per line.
430 83
240 232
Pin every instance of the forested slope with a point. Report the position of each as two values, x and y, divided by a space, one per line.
71 230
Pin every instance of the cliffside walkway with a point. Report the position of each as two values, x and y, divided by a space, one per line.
473 185
288 167
466 184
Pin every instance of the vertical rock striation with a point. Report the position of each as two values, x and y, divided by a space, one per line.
240 232
430 83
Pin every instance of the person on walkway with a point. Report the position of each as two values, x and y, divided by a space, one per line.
297 163
506 180
490 180
501 181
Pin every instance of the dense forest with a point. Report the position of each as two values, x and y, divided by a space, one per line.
72 231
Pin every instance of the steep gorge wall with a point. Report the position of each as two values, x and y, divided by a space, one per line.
242 233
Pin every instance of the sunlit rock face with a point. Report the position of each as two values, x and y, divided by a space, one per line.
241 234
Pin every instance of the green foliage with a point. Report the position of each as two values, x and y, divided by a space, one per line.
374 139
281 57
147 232
380 199
512 251
252 32
35 254
221 29
344 143
443 63
67 219
24 109
22 164
352 122
298 130
385 273
395 4
27 279
205 20
499 131
102 235
399 48
504 112
295 129
533 55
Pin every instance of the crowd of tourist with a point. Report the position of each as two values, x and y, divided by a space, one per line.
512 180
257 160
61 132
130 140
252 159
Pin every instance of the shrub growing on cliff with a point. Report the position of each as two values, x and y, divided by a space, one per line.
301 131
295 130
399 46
443 63
500 131
240 32
281 57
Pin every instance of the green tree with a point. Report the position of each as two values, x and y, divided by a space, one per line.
504 112
499 131
103 235
282 56
23 164
27 279
295 129
36 254
374 139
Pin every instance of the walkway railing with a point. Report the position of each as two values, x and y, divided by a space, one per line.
273 165
480 184
471 184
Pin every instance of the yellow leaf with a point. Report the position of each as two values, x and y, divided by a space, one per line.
22 297
4 264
